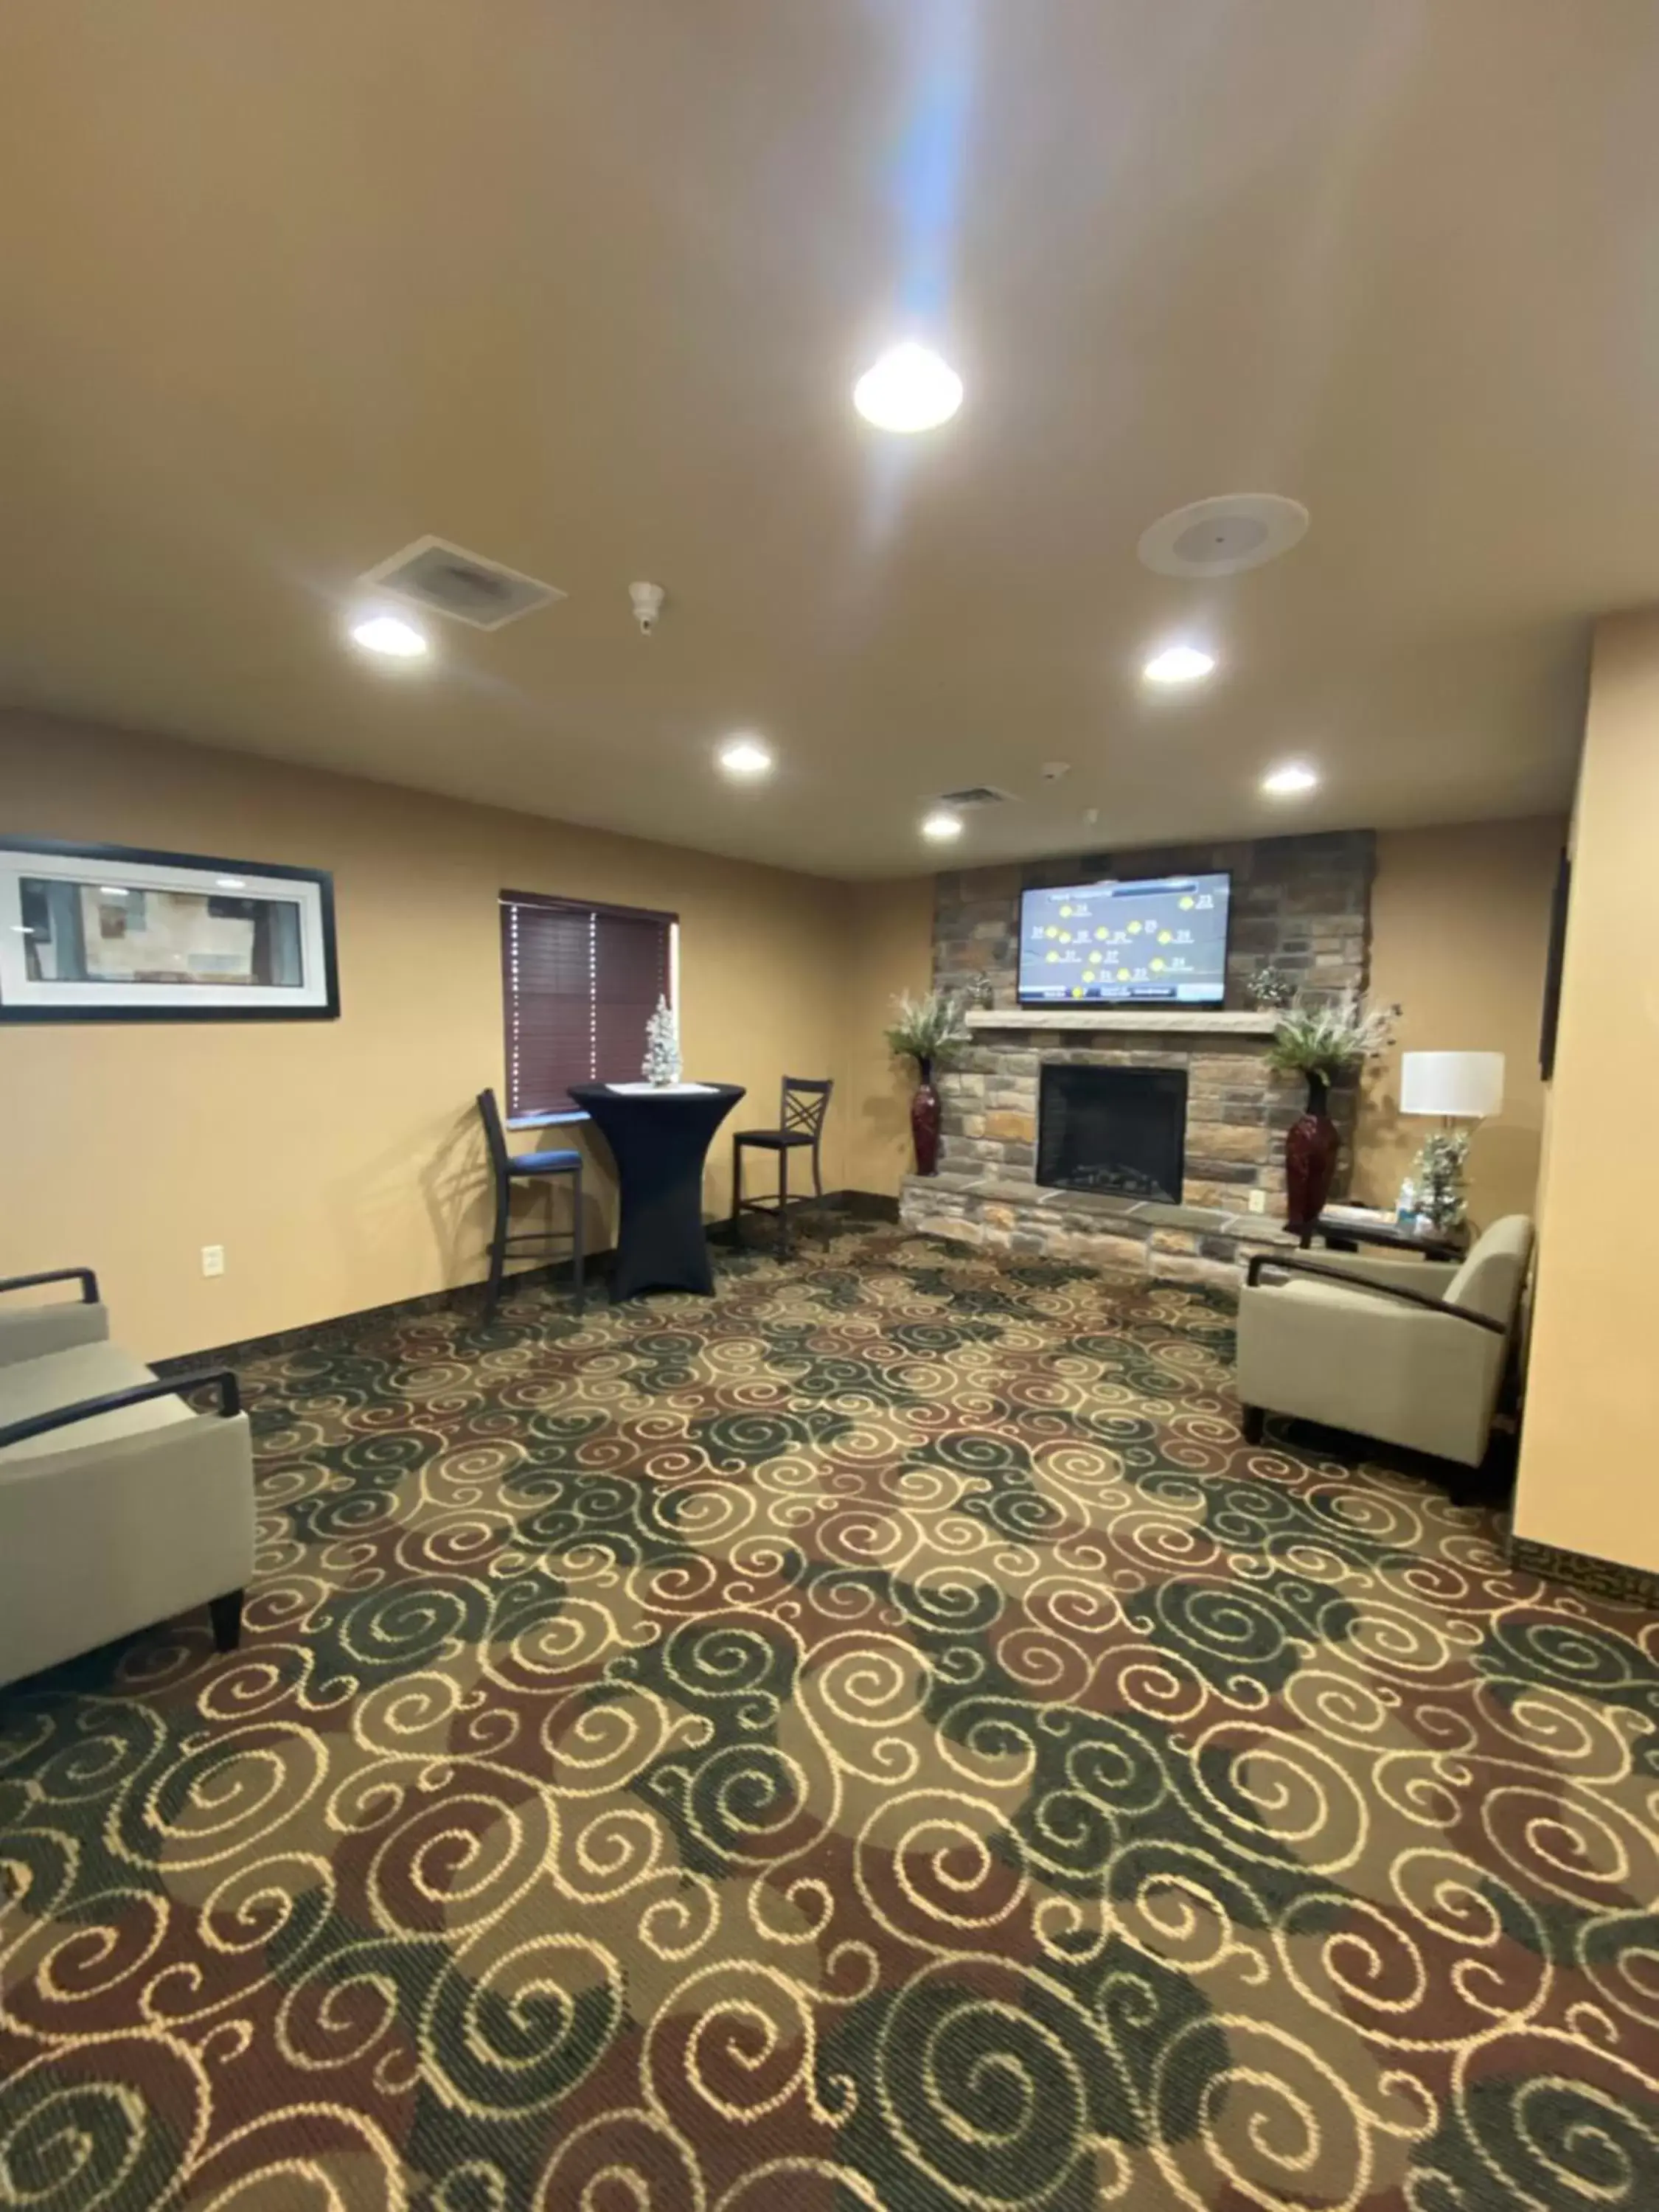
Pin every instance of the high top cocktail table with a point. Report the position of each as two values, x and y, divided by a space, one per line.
658 1137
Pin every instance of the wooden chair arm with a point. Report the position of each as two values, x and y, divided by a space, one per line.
1295 1264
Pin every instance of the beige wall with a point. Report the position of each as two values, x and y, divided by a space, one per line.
339 1163
1460 933
890 948
1588 1454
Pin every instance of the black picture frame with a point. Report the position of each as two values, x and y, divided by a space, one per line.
321 880
1550 1017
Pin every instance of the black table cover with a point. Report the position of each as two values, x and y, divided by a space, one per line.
658 1139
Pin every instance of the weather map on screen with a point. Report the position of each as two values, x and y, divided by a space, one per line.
1161 940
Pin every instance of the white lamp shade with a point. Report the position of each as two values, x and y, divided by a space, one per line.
1464 1086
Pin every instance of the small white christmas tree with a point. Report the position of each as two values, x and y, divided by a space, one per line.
1439 1173
662 1046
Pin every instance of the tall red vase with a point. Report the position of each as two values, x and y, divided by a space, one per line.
924 1121
1311 1144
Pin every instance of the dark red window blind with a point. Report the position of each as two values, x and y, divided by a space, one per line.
578 984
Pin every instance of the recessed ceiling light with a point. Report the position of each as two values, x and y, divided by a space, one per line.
112 890
1284 782
1179 664
231 883
746 756
389 635
908 389
941 823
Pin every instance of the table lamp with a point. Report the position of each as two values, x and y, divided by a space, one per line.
1458 1087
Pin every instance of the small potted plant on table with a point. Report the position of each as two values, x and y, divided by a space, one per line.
1322 1042
931 1032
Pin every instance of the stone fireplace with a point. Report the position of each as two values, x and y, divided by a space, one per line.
1125 1136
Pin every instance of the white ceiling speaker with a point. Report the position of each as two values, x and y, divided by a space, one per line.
1222 537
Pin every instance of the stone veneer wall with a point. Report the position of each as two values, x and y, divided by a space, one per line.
1303 903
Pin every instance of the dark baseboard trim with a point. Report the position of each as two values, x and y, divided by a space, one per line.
856 1205
340 1328
853 1205
867 1205
1583 1571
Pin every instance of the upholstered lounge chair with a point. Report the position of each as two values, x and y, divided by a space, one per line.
1407 1350
119 1504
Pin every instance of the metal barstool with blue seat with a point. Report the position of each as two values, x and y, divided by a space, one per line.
505 1166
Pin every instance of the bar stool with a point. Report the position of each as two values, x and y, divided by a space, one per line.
804 1103
504 1167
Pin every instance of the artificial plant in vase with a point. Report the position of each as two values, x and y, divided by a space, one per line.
931 1032
1320 1043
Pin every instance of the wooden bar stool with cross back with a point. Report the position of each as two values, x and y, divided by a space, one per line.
804 1103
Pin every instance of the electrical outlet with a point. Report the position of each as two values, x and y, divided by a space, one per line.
213 1259
1258 1201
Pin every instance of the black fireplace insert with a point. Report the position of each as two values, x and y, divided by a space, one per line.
1118 1131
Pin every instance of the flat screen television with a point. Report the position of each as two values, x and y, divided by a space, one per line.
1157 941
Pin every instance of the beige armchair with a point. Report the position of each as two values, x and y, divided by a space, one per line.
1404 1350
119 1504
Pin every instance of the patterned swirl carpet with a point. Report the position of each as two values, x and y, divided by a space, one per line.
876 1739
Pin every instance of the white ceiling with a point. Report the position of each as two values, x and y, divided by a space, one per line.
585 287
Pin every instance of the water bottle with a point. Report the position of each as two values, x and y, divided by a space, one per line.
1405 1211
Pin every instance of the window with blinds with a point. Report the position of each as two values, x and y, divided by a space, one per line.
578 984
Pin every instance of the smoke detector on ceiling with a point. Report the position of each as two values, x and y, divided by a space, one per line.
974 794
646 601
1223 537
466 586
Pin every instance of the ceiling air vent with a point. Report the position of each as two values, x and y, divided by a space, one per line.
464 585
975 794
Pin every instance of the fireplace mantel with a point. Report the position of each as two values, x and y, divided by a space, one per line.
1185 1021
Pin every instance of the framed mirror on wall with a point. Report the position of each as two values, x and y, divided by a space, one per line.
120 933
